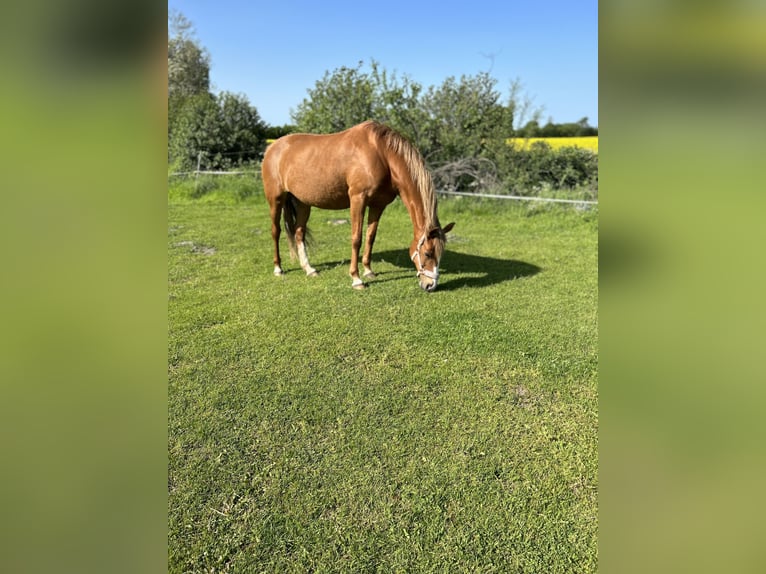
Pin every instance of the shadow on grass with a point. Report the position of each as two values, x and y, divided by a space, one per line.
480 271
457 270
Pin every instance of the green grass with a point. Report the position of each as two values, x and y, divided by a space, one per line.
315 428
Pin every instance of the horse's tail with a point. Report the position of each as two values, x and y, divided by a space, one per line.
290 211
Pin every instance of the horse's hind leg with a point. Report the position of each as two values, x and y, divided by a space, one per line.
302 214
276 214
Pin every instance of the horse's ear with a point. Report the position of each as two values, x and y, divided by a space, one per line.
439 232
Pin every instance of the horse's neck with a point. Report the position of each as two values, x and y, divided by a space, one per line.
412 200
411 196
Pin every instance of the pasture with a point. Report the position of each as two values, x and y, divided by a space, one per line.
316 428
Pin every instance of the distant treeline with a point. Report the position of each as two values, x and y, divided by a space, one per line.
532 129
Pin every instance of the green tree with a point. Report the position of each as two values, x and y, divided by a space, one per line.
397 103
275 132
459 120
565 130
219 131
188 65
242 132
460 127
194 128
348 96
467 125
530 130
341 99
463 117
585 129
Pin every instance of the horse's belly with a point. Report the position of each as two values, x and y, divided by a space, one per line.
325 196
329 182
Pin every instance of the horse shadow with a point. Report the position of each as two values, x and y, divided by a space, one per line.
457 270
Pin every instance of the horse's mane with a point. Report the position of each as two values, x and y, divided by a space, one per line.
402 147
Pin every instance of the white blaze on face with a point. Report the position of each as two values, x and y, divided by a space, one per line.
429 279
432 274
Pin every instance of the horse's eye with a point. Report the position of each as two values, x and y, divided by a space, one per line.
429 254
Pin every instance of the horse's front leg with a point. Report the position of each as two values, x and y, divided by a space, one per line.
303 212
373 217
357 221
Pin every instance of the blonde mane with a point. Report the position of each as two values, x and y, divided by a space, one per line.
415 165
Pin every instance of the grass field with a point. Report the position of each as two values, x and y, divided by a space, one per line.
315 428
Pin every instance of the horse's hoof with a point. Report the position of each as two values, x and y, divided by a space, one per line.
369 275
312 274
278 273
359 284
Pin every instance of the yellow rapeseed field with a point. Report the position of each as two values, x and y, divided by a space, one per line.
589 142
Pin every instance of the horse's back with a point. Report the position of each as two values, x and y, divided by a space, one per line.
320 169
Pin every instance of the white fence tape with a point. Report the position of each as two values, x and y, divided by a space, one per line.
517 197
209 173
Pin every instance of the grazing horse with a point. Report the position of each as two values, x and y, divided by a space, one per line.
362 168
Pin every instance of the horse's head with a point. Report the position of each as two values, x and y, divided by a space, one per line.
426 252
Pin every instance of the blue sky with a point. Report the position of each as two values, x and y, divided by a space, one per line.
273 52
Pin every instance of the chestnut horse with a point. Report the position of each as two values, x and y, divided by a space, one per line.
362 168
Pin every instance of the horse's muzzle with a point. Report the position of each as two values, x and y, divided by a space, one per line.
428 285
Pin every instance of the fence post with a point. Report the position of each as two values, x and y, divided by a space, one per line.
196 174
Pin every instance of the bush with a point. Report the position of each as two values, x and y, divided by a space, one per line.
574 167
219 132
527 171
